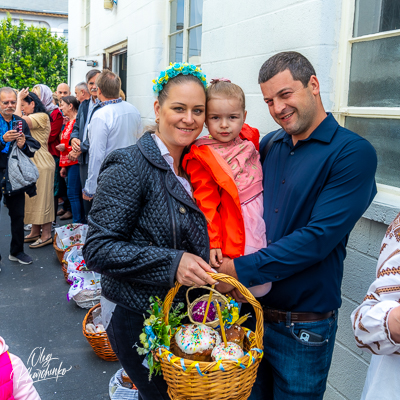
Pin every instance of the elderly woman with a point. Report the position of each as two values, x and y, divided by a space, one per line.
39 210
145 230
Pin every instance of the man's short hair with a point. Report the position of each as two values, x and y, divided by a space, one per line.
82 86
298 65
91 74
109 84
7 89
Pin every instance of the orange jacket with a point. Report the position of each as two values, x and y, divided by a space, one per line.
216 194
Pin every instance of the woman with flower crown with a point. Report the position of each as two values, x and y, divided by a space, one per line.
145 230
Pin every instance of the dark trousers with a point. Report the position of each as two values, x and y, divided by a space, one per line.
16 211
291 368
75 194
123 332
83 173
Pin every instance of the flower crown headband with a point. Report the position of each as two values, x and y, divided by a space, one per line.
175 70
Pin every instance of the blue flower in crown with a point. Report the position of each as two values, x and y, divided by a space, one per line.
177 69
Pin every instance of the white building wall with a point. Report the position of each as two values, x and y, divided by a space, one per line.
237 38
141 23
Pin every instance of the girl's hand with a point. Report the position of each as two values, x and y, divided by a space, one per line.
192 271
23 93
60 147
63 172
216 258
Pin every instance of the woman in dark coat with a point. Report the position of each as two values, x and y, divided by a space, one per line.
145 230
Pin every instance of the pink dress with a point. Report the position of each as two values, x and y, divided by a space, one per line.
244 162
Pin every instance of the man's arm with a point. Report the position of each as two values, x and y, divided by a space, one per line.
344 198
97 153
75 130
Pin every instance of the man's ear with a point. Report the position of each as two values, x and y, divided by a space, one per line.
314 84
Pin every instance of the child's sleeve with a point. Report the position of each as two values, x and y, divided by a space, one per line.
206 193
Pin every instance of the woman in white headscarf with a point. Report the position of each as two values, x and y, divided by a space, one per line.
60 189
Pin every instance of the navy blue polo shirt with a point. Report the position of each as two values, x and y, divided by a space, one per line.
314 193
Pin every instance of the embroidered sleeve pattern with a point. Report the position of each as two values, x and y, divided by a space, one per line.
370 319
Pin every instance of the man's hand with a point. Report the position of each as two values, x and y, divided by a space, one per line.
9 136
21 140
394 324
228 268
216 258
76 144
86 197
73 155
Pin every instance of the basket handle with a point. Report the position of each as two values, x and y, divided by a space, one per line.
259 333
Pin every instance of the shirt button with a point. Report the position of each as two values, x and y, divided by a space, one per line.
269 241
276 210
292 153
251 283
182 210
277 277
283 181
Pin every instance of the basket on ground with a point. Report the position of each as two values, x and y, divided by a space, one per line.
99 341
64 262
222 380
68 235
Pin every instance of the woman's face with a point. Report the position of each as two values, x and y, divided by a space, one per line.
65 108
27 108
182 115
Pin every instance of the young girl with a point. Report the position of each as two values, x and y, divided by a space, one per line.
225 171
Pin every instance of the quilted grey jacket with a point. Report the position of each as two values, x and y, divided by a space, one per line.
141 222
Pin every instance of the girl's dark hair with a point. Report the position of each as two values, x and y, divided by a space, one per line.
71 100
39 106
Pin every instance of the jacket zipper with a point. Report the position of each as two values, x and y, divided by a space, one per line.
172 213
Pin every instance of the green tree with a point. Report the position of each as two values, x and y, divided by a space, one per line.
31 55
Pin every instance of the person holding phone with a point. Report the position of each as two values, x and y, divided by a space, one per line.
15 201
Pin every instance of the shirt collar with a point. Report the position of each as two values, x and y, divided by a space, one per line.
323 133
113 101
160 144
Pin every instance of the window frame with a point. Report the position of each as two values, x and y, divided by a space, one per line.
341 109
86 27
186 29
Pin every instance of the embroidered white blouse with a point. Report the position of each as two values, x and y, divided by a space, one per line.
370 321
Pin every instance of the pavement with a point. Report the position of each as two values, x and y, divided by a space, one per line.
45 330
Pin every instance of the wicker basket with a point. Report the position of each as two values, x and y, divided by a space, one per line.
64 263
99 341
216 296
59 251
222 380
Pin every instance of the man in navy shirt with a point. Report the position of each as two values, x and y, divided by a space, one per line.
318 181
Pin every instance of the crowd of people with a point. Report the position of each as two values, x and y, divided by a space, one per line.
67 137
275 215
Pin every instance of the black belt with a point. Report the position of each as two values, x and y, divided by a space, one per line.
271 315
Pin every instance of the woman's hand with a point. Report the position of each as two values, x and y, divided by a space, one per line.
216 258
23 93
60 147
192 271
63 172
21 140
